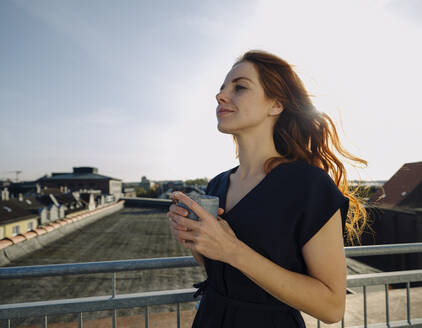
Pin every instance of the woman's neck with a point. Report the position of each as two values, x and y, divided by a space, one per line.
253 153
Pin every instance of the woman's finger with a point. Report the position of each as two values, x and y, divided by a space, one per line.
177 226
184 221
178 210
203 214
173 224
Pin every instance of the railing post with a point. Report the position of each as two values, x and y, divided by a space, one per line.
80 321
113 291
178 315
114 319
44 322
387 310
408 303
113 285
365 315
146 316
6 323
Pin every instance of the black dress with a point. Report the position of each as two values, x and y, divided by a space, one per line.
276 219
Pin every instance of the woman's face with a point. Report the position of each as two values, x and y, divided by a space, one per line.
242 104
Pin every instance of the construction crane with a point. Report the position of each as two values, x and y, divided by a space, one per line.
17 172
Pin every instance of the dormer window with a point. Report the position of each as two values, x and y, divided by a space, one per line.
7 209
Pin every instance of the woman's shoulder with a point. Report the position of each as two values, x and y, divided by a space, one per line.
299 168
301 174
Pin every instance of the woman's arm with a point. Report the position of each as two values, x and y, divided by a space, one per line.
322 293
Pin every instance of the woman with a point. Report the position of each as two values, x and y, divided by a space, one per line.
276 247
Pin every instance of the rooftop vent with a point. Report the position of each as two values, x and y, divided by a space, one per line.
7 209
84 170
28 201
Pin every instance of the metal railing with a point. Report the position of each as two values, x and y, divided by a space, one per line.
145 299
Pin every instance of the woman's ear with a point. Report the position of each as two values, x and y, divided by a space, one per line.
276 108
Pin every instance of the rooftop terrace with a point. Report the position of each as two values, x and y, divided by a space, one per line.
143 233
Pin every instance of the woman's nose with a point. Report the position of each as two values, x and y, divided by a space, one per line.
221 97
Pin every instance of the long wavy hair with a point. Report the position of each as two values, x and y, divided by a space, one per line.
303 132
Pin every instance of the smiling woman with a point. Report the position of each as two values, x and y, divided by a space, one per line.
277 248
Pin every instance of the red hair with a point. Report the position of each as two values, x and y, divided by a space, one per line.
302 132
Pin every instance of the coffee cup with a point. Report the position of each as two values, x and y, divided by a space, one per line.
208 202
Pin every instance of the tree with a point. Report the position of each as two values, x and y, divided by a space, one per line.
199 181
141 192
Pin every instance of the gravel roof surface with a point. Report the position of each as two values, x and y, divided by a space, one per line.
133 233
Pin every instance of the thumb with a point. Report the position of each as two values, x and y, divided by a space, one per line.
220 211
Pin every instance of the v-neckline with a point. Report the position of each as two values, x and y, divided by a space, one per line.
227 185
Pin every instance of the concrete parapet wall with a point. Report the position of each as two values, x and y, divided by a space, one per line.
54 232
147 202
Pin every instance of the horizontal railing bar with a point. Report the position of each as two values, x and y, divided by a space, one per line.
387 249
96 303
396 324
100 303
96 267
381 278
169 262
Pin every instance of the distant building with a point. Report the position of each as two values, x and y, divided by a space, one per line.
403 190
4 184
14 217
21 214
129 192
26 188
84 178
145 183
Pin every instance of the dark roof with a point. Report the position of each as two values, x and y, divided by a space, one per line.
400 185
31 203
46 200
17 211
48 191
84 176
65 198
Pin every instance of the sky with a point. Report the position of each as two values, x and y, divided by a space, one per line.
129 86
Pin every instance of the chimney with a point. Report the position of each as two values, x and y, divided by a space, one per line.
38 186
5 194
20 197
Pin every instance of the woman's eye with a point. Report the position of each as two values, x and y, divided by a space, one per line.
239 87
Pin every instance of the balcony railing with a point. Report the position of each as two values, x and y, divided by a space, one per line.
145 299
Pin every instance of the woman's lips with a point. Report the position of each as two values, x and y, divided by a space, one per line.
222 112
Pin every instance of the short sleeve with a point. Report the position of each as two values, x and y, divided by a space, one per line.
322 200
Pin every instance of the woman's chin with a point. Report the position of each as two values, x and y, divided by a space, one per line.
223 129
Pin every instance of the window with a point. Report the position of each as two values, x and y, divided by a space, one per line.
30 225
16 230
